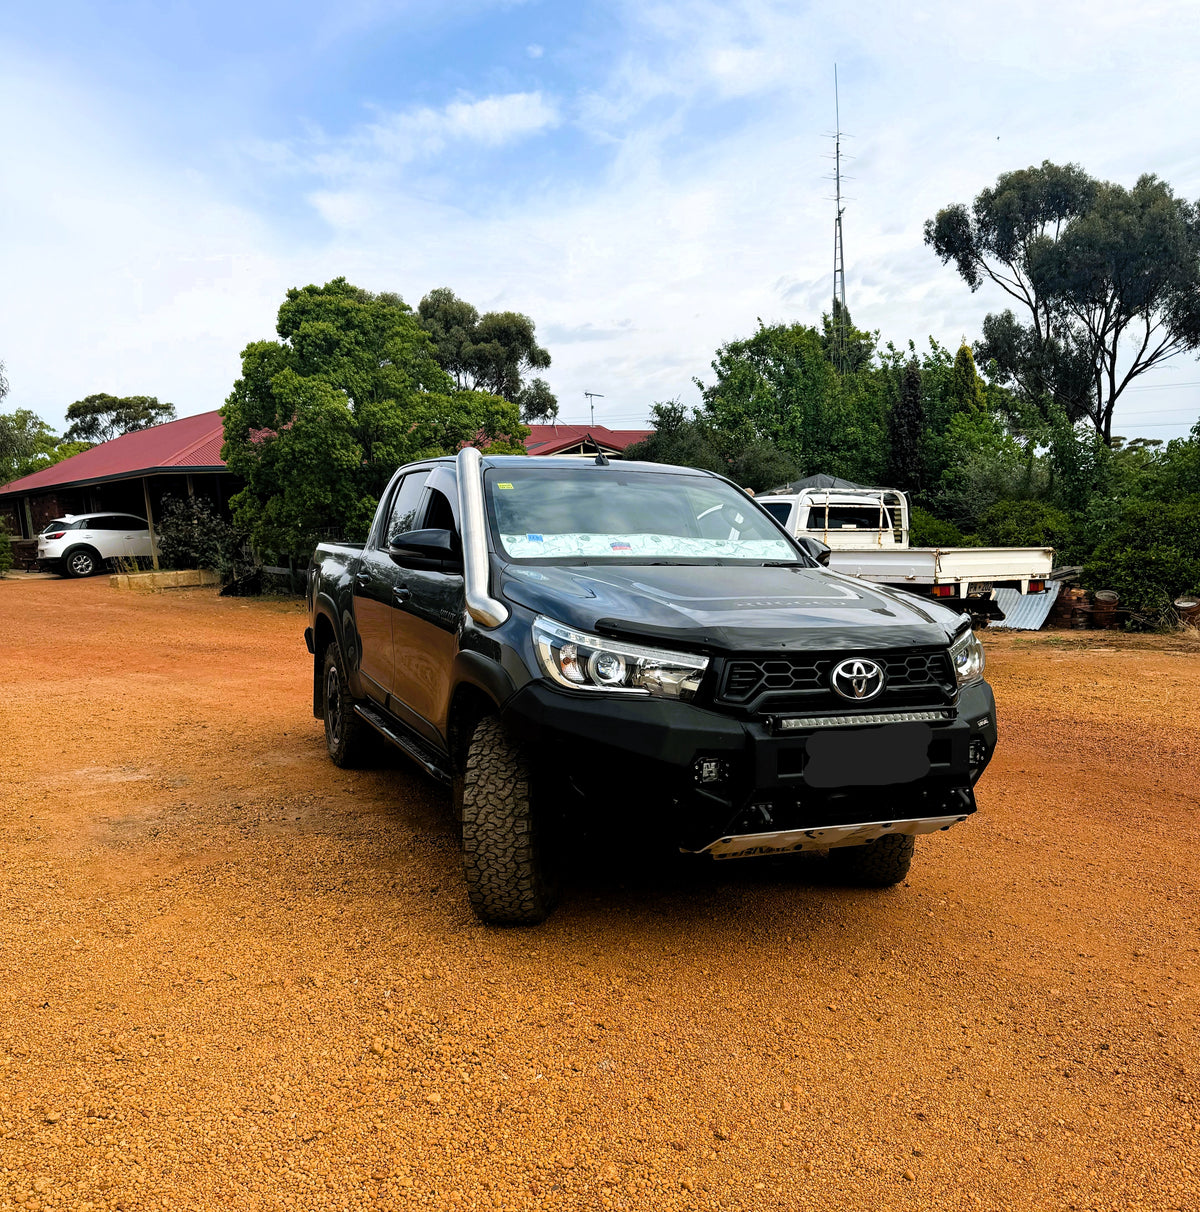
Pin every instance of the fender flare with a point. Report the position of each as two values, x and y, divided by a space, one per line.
345 634
474 669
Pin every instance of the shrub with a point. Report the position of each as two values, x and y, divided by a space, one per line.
6 551
192 534
1024 524
1151 558
927 531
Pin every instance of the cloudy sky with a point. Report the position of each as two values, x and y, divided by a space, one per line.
644 179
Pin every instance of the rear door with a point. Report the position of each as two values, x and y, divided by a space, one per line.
375 584
135 535
130 536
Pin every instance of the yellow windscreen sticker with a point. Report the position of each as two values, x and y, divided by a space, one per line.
503 485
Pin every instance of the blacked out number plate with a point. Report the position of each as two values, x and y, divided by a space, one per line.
868 757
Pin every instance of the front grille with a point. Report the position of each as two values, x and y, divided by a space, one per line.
801 681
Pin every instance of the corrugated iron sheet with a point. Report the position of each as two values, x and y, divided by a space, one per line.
1025 612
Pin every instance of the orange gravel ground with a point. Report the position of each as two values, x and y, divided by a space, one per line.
235 977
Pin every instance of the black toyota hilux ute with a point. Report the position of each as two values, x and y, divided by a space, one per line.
644 647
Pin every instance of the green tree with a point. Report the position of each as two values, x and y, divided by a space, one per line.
6 550
779 387
1151 557
537 402
321 418
849 349
495 352
906 431
101 417
762 466
966 393
27 444
679 439
1109 277
982 463
1024 524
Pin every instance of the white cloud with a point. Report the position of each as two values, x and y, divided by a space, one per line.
534 51
701 206
375 150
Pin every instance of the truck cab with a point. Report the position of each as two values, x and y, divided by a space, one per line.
844 520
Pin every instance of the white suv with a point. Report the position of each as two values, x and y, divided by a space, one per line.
78 545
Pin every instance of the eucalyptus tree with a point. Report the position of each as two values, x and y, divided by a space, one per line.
1107 277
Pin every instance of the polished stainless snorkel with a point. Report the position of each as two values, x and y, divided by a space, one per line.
481 606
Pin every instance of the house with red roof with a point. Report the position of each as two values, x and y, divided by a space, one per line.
132 473
573 439
129 474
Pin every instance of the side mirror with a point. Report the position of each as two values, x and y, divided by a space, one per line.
440 547
816 549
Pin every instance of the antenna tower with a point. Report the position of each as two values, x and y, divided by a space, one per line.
839 257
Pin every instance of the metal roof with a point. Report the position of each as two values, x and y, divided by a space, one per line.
549 439
186 444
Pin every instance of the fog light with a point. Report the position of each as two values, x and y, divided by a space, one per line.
976 752
710 770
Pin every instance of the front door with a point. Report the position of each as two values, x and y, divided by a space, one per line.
425 622
375 587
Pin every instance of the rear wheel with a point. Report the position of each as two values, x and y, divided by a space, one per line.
879 864
82 562
505 852
346 735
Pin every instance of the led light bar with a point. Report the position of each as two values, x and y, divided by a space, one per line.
793 723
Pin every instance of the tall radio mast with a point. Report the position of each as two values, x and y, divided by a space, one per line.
839 257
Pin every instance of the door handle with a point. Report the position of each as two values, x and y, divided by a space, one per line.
401 594
362 579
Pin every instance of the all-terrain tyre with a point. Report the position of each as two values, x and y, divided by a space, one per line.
505 847
81 562
347 736
879 864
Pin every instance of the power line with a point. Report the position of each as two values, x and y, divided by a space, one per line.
1164 386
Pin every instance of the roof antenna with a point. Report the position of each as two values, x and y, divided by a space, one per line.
592 397
601 457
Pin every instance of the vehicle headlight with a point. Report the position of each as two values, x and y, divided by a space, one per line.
966 655
591 662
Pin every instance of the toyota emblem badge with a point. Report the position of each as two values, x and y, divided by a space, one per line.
857 679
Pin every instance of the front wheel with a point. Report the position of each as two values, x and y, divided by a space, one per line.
505 852
345 733
878 864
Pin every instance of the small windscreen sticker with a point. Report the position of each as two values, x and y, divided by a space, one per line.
533 538
620 547
502 485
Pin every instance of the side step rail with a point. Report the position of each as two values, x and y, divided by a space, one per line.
423 754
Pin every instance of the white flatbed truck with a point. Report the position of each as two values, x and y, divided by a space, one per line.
867 532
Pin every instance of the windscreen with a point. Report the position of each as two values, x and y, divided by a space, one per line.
605 513
848 517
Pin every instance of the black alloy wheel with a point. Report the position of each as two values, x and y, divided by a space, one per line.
345 732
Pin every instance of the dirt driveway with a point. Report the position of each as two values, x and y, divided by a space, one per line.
233 976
